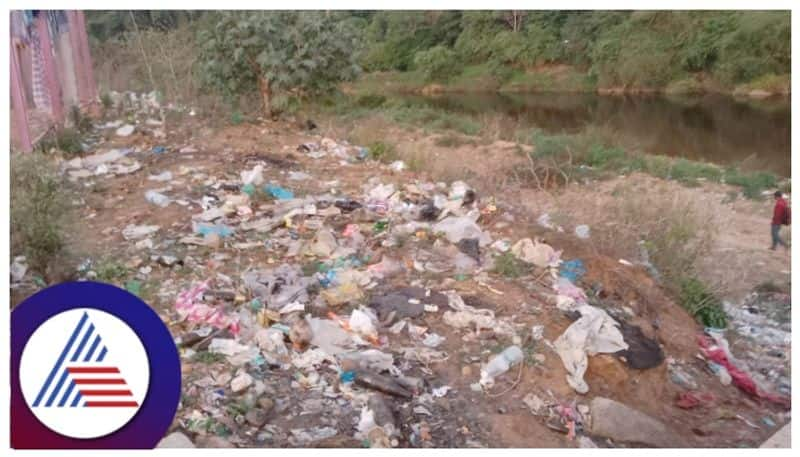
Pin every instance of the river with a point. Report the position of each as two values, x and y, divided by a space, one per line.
751 134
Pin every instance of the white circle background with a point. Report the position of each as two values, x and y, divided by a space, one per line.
125 351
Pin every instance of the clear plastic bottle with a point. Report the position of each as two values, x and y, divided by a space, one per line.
501 363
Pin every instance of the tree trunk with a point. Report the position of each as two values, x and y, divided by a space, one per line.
266 95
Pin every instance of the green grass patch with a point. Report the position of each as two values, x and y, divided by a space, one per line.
509 266
702 303
383 152
208 357
66 140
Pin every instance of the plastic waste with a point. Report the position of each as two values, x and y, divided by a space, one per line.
537 253
220 230
572 270
159 149
363 324
132 232
190 306
157 198
397 165
125 130
595 332
582 231
254 177
278 192
380 383
500 363
347 205
164 176
345 293
459 228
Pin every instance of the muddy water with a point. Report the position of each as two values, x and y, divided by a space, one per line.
753 134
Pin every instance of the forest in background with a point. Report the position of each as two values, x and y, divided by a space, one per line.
674 51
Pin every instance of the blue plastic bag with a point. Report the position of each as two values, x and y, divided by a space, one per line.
572 270
279 192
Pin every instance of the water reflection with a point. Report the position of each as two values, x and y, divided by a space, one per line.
752 134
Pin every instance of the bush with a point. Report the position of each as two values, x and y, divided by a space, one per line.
39 209
65 140
438 63
702 304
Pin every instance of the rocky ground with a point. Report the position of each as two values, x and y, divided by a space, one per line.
323 299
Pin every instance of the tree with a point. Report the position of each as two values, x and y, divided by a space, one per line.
278 52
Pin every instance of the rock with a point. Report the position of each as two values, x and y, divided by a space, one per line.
175 440
241 382
611 419
266 404
256 417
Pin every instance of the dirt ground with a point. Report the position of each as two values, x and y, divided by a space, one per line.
462 417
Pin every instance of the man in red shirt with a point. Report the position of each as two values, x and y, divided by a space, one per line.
780 216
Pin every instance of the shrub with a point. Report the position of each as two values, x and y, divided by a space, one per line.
438 63
66 140
39 210
702 303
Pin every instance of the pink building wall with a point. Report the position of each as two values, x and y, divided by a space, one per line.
65 72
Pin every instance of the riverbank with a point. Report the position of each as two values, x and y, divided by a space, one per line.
590 153
557 78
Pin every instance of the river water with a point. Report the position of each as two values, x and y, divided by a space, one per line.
751 134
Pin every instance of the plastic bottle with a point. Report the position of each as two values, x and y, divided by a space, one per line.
501 363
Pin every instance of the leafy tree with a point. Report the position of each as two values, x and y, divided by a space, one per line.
278 53
437 63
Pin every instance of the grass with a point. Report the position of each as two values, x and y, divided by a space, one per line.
66 140
208 357
509 266
110 271
702 303
383 152
40 211
589 154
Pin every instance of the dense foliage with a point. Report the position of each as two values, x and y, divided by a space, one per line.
630 49
277 52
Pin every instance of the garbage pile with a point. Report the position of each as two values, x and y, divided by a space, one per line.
311 313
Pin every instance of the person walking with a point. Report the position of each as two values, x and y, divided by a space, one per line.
781 215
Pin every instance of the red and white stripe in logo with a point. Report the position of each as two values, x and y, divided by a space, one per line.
102 386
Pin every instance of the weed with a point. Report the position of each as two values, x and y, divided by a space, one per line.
105 100
208 357
702 303
508 265
66 140
383 152
39 210
110 271
371 101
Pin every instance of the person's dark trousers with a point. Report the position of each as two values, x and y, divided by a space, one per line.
776 237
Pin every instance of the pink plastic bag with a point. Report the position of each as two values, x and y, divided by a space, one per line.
191 308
